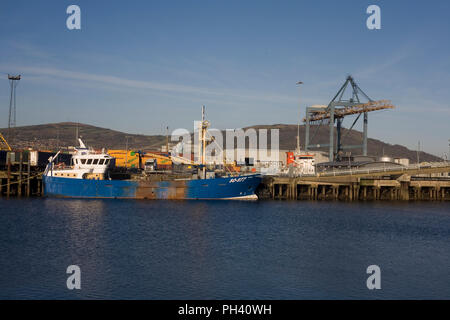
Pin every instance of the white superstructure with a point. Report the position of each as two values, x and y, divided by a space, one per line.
86 164
304 164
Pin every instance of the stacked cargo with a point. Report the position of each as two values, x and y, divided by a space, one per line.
162 162
137 159
124 158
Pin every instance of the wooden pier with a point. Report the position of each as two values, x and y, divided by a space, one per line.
354 188
416 183
19 179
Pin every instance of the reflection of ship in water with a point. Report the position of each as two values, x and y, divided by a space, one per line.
92 175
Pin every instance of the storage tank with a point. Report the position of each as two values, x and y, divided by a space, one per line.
402 161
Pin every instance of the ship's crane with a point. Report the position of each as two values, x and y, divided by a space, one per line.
337 109
170 157
182 160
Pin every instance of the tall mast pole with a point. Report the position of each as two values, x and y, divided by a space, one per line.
12 104
126 151
448 154
300 115
167 139
204 128
77 135
418 151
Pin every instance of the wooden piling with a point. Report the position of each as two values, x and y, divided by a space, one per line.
19 183
372 189
294 190
28 176
8 181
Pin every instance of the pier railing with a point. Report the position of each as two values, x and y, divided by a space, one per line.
413 168
387 168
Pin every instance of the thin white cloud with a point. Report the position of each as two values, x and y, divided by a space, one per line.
149 85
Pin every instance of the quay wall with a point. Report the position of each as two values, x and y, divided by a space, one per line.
354 188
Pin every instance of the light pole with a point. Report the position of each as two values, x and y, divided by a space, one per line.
167 140
418 152
12 104
126 151
300 116
448 154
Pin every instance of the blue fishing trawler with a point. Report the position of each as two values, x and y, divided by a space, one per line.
232 188
91 176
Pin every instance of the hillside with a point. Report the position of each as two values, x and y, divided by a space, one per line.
375 147
50 136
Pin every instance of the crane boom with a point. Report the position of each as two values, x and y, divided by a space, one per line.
172 158
4 142
355 109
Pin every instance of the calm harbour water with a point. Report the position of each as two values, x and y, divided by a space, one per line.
130 249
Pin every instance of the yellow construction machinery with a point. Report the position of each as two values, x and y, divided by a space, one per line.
4 144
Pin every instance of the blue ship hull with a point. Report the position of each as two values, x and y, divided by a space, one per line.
241 187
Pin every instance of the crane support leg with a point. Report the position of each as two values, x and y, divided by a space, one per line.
307 130
365 134
331 149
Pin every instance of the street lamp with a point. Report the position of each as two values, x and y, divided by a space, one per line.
448 154
298 125
126 151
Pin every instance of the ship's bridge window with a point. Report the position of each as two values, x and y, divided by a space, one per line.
107 161
102 161
83 161
89 161
95 161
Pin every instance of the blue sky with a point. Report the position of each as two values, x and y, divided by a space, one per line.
139 66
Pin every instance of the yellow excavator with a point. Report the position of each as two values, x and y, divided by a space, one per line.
4 144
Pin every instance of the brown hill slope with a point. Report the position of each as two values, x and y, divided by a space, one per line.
375 147
50 136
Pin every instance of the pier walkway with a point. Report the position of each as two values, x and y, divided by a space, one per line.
409 183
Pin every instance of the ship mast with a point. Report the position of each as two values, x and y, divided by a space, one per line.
203 129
